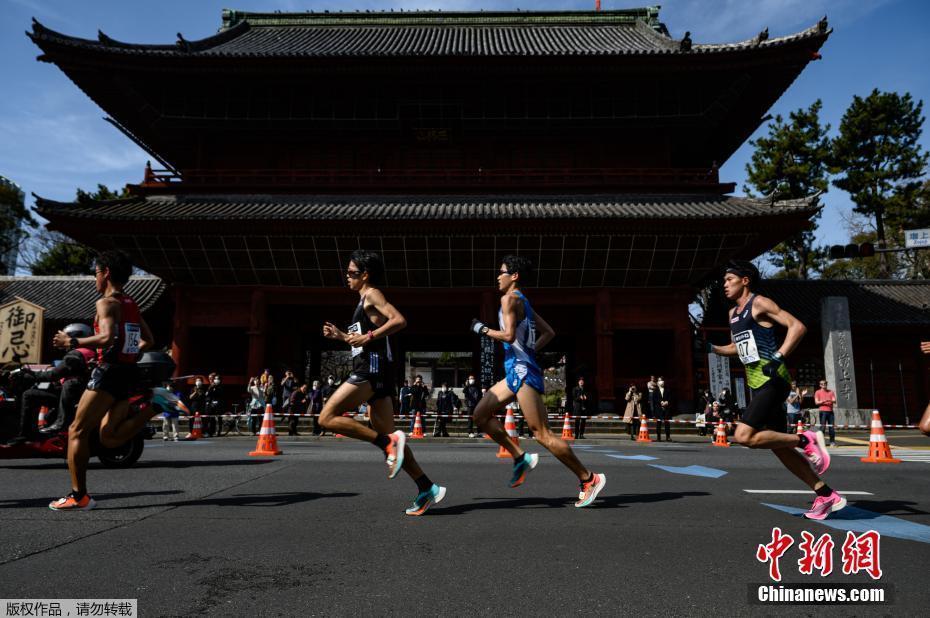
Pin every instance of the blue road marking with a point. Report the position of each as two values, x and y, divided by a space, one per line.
861 520
635 457
712 473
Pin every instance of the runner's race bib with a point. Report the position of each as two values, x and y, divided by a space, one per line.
132 334
352 330
746 347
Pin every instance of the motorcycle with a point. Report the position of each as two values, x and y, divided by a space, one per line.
155 368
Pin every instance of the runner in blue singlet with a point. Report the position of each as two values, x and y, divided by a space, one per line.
524 382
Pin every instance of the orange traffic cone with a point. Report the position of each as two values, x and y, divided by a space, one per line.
43 417
643 430
196 431
567 433
267 439
417 428
879 451
510 426
800 427
720 437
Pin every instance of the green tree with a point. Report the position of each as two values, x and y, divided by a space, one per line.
879 159
14 216
56 254
791 161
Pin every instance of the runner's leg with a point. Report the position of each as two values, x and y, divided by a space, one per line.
91 409
118 428
382 421
765 438
347 397
534 410
496 398
798 466
925 422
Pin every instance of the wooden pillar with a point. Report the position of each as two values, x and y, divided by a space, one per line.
180 331
257 334
684 384
604 335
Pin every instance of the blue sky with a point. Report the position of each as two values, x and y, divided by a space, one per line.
53 138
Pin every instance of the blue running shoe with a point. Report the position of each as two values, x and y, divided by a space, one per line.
426 499
521 469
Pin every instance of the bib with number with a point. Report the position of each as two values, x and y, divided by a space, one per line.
746 347
132 334
352 330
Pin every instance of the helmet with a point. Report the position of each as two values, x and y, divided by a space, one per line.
78 330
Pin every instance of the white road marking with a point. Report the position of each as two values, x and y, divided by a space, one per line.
803 491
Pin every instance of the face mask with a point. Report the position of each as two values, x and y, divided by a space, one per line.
216 381
329 381
199 383
661 382
443 389
316 385
471 381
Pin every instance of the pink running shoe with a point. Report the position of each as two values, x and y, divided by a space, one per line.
816 451
824 506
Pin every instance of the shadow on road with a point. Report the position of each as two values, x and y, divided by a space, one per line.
280 499
603 502
178 464
32 503
885 507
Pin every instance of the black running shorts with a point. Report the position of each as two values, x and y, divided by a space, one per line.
767 408
115 380
375 369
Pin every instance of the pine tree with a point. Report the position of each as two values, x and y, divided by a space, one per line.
878 155
791 161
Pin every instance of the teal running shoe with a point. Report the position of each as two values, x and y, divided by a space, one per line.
521 469
426 499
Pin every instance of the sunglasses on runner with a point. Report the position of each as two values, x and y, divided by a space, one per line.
353 274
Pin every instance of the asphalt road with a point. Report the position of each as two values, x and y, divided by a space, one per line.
201 528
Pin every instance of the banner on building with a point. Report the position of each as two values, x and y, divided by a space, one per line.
719 372
740 391
21 332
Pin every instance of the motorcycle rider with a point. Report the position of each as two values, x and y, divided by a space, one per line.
66 383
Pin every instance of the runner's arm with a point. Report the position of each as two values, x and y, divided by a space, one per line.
395 321
509 314
148 339
724 350
106 328
545 332
796 329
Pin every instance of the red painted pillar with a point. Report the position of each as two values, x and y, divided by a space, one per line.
180 331
604 335
257 334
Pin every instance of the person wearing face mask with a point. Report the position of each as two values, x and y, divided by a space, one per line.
580 408
404 396
419 395
315 398
256 404
446 403
214 405
196 401
472 394
662 409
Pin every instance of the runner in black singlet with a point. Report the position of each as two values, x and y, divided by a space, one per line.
752 326
372 377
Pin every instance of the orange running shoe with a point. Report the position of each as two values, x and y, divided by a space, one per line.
394 453
590 490
70 503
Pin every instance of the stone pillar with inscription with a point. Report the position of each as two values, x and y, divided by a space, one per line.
839 367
